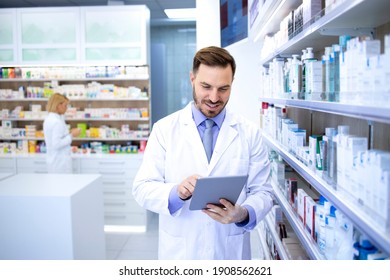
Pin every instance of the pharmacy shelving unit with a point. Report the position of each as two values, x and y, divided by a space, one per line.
117 170
139 80
357 17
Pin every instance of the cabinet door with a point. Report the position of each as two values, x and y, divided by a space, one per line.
31 165
7 165
115 34
49 35
118 174
7 36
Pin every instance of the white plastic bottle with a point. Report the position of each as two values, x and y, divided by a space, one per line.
286 69
330 237
344 237
319 226
336 71
301 94
307 76
343 132
295 77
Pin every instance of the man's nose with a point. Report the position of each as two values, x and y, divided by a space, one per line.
213 96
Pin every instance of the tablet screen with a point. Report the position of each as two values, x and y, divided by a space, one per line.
212 189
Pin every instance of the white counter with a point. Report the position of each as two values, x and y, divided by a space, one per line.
5 175
52 216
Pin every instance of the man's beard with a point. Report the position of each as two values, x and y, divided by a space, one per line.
207 113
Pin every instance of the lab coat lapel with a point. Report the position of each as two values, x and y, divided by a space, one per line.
225 138
192 133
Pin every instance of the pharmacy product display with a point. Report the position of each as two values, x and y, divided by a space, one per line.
111 105
325 112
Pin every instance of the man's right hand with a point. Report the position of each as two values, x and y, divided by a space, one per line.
187 187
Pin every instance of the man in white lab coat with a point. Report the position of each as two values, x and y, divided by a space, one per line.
175 157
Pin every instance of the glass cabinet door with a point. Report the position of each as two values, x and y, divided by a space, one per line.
49 35
7 36
116 34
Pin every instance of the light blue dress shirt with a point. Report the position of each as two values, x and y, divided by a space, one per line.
175 202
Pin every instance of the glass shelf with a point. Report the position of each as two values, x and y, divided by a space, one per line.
360 219
278 243
380 114
349 14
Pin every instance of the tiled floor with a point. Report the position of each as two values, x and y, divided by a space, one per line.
144 246
134 246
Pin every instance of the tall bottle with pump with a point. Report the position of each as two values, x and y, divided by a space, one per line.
309 71
324 94
336 72
287 89
295 77
330 73
303 75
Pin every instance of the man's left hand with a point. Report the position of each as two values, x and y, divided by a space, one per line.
227 213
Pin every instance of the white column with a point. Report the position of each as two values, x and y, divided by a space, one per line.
207 23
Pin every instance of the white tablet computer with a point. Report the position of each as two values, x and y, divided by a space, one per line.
212 189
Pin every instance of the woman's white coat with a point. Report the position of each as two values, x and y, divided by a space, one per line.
58 140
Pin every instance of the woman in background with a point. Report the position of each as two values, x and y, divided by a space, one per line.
57 136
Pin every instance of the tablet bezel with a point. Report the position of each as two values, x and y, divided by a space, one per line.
212 189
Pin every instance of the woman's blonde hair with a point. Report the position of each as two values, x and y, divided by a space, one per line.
54 101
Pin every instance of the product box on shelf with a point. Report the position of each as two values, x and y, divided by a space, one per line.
310 206
301 194
383 206
354 145
311 10
314 152
292 192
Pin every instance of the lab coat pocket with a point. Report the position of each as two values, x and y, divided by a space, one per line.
235 247
171 247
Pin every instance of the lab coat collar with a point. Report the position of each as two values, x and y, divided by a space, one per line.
186 116
227 134
200 118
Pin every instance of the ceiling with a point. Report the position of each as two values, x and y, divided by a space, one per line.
156 7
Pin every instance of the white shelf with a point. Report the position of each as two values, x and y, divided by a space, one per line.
275 237
76 139
78 119
307 241
263 242
76 99
270 16
111 139
350 14
124 78
360 219
356 111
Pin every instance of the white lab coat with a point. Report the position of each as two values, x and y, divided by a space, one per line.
174 152
58 141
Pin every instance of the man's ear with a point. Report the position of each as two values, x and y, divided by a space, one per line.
192 76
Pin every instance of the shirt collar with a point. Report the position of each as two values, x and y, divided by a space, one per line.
199 117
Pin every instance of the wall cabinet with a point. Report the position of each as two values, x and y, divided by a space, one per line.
372 19
99 34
